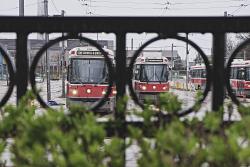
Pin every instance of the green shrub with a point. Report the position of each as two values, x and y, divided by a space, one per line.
56 138
74 138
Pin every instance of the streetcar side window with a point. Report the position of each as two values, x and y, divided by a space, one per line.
234 73
241 73
203 73
137 72
248 73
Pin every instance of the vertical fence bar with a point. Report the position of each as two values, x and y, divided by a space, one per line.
121 80
121 72
218 70
21 65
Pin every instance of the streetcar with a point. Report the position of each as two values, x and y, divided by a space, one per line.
240 77
151 72
87 78
198 76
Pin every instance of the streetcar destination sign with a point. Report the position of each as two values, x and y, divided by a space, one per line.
154 60
80 52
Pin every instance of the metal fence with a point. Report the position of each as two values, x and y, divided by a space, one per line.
165 27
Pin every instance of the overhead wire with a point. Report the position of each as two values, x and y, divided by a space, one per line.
238 9
159 3
167 8
199 8
54 5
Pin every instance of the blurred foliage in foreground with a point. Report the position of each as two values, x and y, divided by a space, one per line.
57 138
74 138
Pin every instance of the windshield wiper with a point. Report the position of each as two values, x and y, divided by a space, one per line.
79 80
158 78
161 74
100 81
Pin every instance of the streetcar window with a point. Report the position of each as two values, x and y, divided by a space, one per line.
154 73
88 71
248 73
234 73
203 73
137 72
241 73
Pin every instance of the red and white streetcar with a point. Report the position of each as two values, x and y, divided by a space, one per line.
240 77
88 77
198 76
151 73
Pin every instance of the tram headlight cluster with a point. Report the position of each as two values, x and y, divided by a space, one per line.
164 88
88 91
114 92
103 92
143 87
74 92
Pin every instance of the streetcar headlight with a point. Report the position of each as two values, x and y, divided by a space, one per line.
88 91
74 92
104 92
164 88
154 87
144 87
114 92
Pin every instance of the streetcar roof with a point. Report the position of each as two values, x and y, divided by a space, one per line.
151 58
240 63
198 66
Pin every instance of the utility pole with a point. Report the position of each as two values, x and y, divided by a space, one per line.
46 55
244 54
7 72
62 62
187 52
21 7
172 61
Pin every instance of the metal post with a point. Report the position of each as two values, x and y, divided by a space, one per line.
21 65
218 70
6 69
63 60
132 44
121 70
46 56
21 7
187 52
172 62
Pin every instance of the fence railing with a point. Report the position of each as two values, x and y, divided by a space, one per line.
165 27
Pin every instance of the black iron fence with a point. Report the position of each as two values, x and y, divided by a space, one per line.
165 27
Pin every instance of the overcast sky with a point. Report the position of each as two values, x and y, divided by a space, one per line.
138 8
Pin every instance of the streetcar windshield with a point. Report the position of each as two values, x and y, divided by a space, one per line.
198 73
154 73
88 71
